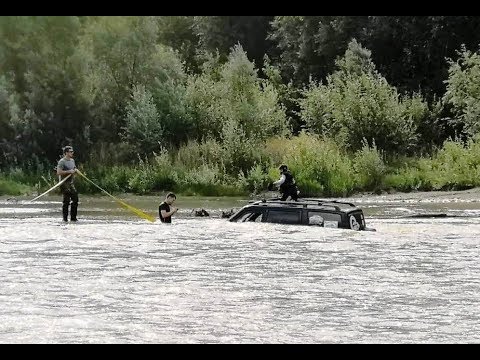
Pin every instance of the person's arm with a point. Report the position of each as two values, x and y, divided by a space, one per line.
280 181
166 213
62 172
66 172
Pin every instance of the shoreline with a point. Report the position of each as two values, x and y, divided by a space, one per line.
469 194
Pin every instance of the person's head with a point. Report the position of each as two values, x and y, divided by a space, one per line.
283 168
170 198
68 151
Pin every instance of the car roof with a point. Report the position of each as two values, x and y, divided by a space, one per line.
309 203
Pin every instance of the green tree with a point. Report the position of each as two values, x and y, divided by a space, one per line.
463 90
233 105
223 32
143 127
411 51
120 53
37 52
309 45
8 107
235 92
357 103
178 33
114 56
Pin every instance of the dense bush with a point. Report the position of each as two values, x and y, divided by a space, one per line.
369 167
357 103
463 90
318 165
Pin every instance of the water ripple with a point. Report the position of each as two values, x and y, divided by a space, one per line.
211 281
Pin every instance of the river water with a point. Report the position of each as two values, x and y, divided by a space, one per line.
115 278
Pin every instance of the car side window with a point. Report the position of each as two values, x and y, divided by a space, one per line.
323 218
326 215
284 217
315 219
245 216
255 216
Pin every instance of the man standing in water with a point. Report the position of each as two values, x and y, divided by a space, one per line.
66 166
165 211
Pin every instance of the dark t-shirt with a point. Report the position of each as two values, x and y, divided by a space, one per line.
166 207
289 181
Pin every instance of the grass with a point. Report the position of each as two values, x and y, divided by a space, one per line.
10 187
320 168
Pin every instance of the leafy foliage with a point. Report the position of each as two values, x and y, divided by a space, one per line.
357 103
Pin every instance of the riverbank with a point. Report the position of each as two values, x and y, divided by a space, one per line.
470 195
226 202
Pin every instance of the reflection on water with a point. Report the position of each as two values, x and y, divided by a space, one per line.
114 278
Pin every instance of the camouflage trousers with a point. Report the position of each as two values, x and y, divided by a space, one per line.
70 197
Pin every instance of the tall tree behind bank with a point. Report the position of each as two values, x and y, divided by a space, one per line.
357 104
122 62
410 51
223 32
37 63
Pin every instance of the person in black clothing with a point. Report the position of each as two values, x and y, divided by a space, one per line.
165 210
286 184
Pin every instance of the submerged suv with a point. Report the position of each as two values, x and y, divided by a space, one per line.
306 211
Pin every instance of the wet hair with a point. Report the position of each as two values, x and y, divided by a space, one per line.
67 149
171 194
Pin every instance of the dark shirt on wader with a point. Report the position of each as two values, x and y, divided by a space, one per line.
166 207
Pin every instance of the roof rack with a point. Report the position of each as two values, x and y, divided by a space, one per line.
329 201
308 200
302 202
